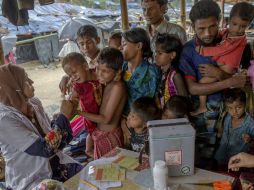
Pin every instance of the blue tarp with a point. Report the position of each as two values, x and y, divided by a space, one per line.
51 17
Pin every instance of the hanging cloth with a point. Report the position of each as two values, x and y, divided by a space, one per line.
16 17
46 2
25 4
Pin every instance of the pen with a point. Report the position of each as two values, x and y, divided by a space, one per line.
89 184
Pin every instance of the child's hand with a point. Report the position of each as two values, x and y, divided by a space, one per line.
246 138
63 85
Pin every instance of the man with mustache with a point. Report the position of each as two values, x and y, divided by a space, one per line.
205 17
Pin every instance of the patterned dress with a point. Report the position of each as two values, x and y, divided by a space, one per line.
142 82
167 87
90 96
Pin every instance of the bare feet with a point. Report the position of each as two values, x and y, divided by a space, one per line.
198 111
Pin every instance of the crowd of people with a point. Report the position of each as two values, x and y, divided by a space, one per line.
145 74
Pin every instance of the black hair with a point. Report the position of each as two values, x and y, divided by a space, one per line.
234 94
116 35
112 57
74 56
246 57
87 30
170 43
179 105
136 35
160 2
204 9
146 108
244 10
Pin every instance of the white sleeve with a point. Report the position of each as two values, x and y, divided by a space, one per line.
62 53
14 133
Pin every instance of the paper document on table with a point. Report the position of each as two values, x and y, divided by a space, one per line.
109 172
102 185
127 162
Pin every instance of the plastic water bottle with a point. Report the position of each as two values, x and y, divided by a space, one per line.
251 73
160 175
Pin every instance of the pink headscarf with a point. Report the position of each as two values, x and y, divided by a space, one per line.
12 80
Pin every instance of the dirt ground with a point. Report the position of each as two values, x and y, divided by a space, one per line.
46 80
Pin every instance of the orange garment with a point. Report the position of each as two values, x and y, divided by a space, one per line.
228 52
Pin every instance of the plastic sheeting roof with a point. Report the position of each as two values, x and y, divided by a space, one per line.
51 17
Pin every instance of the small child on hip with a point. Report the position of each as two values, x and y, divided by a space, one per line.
228 53
86 89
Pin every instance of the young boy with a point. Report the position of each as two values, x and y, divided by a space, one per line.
142 110
228 53
86 89
88 41
238 127
108 133
115 40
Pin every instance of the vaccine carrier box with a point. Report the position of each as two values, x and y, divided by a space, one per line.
173 141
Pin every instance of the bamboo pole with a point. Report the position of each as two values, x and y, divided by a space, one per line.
222 12
1 53
183 13
124 15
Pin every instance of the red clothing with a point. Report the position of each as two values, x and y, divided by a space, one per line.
90 95
104 142
229 51
10 58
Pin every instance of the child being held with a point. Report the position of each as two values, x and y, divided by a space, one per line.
86 89
88 42
142 110
108 133
176 107
168 49
115 40
229 52
238 127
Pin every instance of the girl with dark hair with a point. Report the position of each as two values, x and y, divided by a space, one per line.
140 76
167 52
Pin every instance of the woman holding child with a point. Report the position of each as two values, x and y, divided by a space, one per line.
30 146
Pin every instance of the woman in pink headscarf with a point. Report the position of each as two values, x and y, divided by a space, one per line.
30 145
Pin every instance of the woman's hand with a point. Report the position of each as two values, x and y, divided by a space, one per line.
241 160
